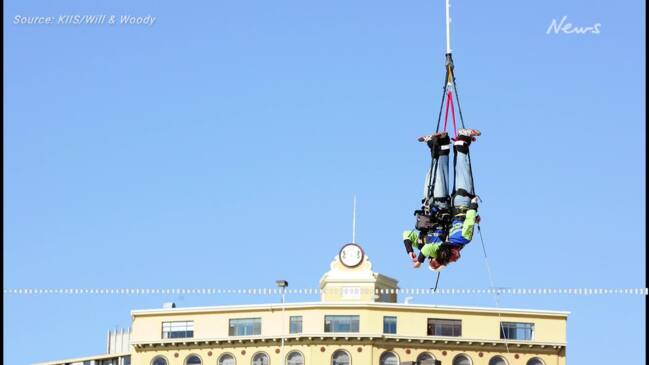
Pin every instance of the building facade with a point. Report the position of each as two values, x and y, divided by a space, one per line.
357 321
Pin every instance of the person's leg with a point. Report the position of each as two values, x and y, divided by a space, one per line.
440 147
463 175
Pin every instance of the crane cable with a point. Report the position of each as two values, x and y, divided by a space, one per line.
493 285
447 96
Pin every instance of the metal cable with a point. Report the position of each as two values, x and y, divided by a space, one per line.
493 285
433 165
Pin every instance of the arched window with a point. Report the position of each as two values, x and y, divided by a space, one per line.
340 357
159 360
260 358
462 360
497 360
295 358
193 360
535 361
426 358
388 358
226 359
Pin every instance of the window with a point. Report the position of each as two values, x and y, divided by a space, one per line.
497 360
226 359
341 323
245 327
340 357
295 358
461 360
426 358
178 329
126 360
260 358
295 324
516 331
388 358
389 324
159 360
193 360
444 327
535 361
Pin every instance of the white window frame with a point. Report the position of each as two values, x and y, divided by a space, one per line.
177 326
293 352
462 354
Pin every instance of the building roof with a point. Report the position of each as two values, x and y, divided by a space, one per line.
82 359
311 305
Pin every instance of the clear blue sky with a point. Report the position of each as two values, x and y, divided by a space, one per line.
221 147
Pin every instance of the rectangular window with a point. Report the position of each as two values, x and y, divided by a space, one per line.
341 323
516 331
106 362
444 327
183 329
295 324
245 327
389 324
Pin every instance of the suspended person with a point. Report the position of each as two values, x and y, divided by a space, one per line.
430 227
464 203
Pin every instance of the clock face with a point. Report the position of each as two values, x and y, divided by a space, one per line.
351 255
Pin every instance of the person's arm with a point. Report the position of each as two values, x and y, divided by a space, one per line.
409 237
469 220
408 245
429 250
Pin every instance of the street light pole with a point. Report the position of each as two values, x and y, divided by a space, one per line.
282 284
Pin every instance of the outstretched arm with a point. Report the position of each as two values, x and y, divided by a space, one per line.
469 221
428 251
462 229
409 239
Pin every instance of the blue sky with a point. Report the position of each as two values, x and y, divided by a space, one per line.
221 147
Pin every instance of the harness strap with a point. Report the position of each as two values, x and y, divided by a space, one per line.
462 192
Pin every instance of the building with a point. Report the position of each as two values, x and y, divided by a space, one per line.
117 352
357 321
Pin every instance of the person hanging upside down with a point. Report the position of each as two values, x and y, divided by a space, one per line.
432 229
444 247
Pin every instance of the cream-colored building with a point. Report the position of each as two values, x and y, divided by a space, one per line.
358 321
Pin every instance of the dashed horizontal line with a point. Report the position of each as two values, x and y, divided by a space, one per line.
350 292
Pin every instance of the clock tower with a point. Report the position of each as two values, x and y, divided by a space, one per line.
351 279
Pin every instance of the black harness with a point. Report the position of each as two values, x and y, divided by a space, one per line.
426 221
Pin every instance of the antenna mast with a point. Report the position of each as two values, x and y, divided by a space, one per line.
354 222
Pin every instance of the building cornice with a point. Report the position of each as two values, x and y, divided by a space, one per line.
346 338
82 359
